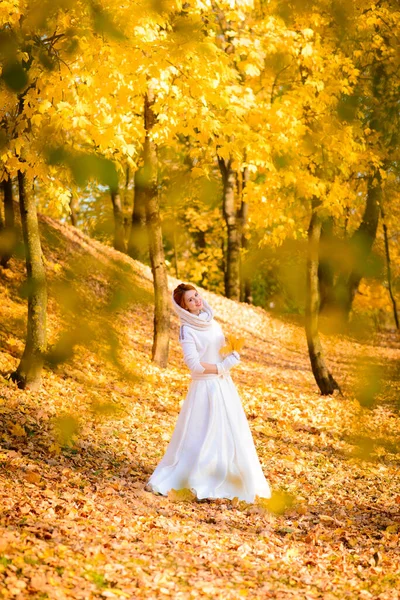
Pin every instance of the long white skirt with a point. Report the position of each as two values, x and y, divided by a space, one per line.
211 451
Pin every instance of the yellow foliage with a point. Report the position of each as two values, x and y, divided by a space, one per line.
233 343
17 430
372 296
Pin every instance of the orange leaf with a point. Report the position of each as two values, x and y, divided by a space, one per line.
33 477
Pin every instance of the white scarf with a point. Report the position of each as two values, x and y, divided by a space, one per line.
192 320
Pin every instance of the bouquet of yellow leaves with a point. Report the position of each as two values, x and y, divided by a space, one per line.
233 343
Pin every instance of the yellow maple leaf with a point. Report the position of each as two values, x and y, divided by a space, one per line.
36 119
54 449
233 343
197 172
17 430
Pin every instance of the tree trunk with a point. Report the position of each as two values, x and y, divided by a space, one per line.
175 254
245 281
325 266
223 261
156 249
389 268
138 242
28 373
232 282
73 206
360 246
323 377
126 205
119 229
247 291
8 236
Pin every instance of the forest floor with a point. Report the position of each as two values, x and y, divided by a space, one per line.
75 520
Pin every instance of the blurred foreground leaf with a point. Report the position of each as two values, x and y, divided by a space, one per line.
14 76
104 24
279 502
85 167
183 495
66 427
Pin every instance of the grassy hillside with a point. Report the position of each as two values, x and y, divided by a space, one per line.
75 521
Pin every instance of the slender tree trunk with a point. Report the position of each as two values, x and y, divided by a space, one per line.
361 245
73 206
326 267
232 287
245 281
389 268
156 248
138 242
126 206
175 254
223 261
175 243
28 373
247 292
119 229
323 377
201 246
8 236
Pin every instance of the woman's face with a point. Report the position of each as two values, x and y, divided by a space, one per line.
193 301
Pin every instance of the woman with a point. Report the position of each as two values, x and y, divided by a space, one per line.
211 450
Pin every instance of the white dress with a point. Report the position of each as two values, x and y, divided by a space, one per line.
211 451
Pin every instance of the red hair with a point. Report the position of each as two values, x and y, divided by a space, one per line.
179 293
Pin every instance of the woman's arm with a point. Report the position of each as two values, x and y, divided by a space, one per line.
224 366
191 358
210 369
190 354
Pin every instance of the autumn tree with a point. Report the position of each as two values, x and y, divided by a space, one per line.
321 159
28 373
29 77
156 248
54 73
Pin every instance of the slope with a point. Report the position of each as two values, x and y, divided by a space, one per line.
75 520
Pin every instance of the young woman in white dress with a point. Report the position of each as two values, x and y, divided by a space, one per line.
211 451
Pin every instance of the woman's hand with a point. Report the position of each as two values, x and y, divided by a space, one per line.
210 368
230 361
224 366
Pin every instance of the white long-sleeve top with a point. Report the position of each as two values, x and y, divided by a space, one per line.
201 346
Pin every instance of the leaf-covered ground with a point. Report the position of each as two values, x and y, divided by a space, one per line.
75 519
